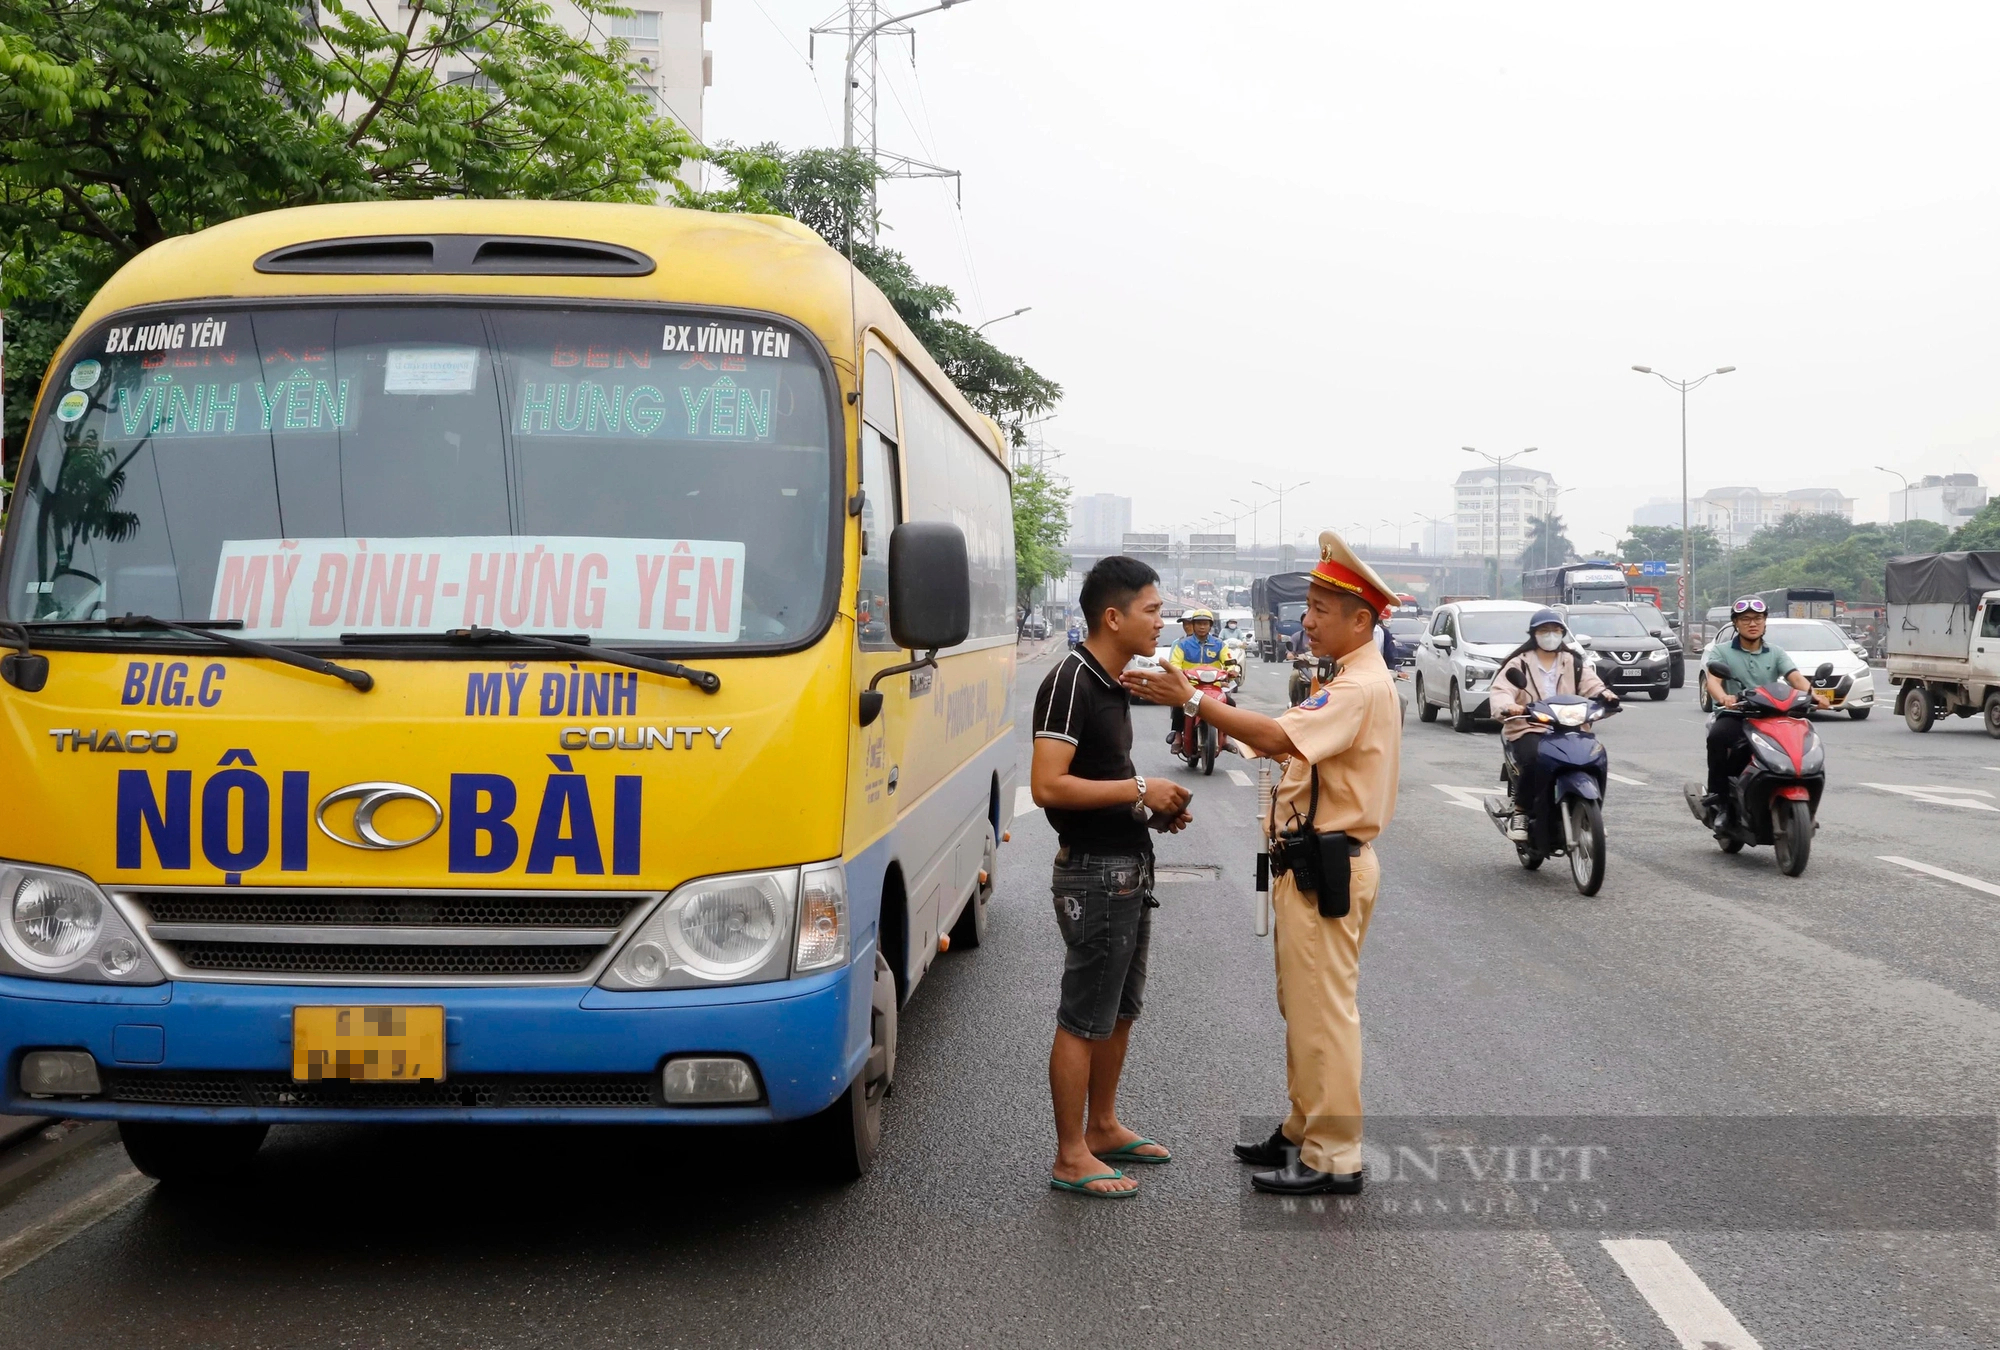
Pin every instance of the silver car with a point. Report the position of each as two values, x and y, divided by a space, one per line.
1461 653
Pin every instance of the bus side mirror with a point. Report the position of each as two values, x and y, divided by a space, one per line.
930 586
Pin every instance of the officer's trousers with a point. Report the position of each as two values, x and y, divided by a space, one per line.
1319 963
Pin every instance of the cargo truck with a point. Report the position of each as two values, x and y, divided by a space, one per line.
1279 603
1942 637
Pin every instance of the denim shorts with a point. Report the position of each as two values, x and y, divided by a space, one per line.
1104 905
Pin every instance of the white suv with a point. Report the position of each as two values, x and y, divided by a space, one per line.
1458 658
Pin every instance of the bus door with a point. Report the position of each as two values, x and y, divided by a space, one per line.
886 746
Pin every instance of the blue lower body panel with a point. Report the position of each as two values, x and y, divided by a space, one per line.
808 1038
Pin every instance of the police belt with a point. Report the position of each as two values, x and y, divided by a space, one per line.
1318 862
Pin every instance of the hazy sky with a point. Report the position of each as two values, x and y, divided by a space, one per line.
1334 242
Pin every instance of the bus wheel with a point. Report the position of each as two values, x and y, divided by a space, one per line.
168 1151
846 1135
970 930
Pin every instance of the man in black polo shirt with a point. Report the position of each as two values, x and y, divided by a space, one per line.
1102 811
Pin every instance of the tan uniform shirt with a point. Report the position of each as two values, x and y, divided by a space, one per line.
1353 729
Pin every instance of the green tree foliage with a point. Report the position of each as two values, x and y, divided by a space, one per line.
1547 544
1982 531
833 191
1819 550
1041 528
1662 543
123 124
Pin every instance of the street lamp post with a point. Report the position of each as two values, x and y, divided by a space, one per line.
854 46
1687 547
1281 490
1499 463
1004 317
1397 526
1252 508
1906 505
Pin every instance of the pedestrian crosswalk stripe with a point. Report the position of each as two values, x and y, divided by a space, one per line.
1024 801
1698 1319
1240 778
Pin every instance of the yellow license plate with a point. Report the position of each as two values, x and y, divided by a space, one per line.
367 1045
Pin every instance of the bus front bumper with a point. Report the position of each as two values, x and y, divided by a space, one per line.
192 1051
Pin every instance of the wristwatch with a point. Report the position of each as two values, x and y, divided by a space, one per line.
1193 706
1139 811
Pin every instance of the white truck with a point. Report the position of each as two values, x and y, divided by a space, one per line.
1943 637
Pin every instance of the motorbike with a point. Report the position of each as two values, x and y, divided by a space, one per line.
1306 669
1199 741
1570 821
1775 799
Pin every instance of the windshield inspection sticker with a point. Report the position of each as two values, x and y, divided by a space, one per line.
72 406
431 370
629 590
84 374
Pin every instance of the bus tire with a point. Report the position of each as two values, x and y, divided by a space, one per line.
846 1136
177 1154
970 930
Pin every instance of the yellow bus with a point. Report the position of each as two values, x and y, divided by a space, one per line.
493 661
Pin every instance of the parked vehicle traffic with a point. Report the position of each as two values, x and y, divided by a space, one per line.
1457 659
1568 821
1775 799
1943 630
1627 657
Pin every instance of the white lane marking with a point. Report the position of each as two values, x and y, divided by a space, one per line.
1240 778
1933 794
1621 778
33 1243
1569 1313
1695 1315
1024 802
1471 798
1973 883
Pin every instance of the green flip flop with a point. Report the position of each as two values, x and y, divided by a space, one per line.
1081 1186
1129 1153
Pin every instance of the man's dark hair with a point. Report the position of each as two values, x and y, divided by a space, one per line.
1111 585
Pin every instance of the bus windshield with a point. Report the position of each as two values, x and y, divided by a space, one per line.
632 474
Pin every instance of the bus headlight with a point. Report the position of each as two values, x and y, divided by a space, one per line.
58 925
822 918
734 929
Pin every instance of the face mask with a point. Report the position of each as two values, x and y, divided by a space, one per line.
1548 642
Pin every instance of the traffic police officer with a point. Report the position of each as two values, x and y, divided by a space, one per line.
1351 733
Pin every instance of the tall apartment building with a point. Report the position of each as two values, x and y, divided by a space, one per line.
1736 513
1100 520
1949 499
1504 500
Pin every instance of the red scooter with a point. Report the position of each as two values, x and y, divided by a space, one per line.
1775 799
1199 741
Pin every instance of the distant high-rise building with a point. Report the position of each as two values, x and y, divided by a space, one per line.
1733 514
1099 520
1948 499
1504 500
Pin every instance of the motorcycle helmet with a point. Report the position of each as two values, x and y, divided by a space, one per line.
1194 614
1545 616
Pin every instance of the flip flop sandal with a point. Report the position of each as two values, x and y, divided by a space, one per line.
1128 1154
1081 1186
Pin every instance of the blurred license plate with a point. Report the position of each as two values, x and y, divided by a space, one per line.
367 1044
1630 674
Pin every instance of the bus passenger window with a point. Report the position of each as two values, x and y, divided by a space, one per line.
880 513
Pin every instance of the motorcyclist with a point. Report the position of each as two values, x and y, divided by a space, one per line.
1752 664
1550 665
1198 648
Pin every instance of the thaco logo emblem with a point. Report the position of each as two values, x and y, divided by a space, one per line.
369 798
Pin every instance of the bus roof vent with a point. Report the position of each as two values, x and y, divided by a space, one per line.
459 254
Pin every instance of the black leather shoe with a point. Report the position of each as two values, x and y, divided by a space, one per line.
1276 1151
1295 1178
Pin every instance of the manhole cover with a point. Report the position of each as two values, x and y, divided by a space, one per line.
1173 872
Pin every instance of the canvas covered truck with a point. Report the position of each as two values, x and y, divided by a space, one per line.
1942 637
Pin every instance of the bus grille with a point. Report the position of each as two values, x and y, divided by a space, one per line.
313 958
488 1091
348 937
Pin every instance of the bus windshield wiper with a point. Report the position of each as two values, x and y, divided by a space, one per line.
360 679
705 680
